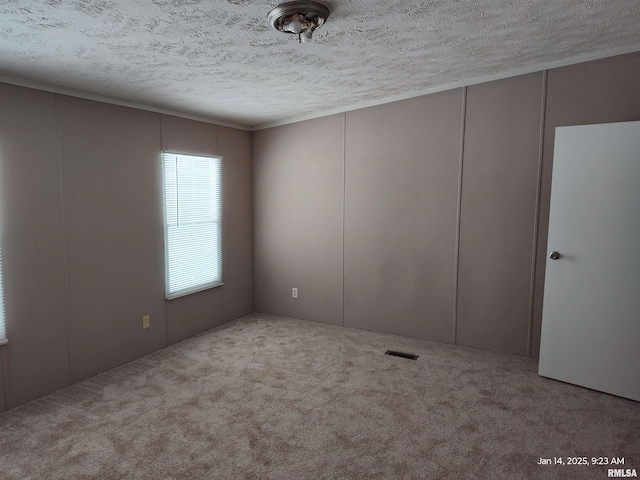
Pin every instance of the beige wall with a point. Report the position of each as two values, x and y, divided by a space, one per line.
83 237
498 213
297 212
426 217
439 242
113 234
36 360
401 189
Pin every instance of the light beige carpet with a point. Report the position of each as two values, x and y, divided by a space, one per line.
272 398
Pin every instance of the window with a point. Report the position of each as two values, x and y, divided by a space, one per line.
192 223
3 331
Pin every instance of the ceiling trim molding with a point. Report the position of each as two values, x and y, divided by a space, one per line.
358 106
117 101
463 83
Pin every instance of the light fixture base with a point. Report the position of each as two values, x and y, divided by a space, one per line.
306 16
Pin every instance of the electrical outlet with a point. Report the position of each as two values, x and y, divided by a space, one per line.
146 322
294 292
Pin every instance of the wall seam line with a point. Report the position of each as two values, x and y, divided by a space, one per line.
65 251
536 216
164 246
253 243
459 215
344 201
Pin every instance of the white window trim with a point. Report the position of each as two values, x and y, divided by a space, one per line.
171 294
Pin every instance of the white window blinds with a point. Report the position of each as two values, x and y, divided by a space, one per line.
3 331
193 223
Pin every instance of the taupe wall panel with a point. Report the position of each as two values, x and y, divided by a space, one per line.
297 204
401 190
498 208
200 311
81 190
109 207
193 314
602 91
235 148
114 233
180 135
3 392
37 355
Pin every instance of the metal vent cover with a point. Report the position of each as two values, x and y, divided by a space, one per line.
396 353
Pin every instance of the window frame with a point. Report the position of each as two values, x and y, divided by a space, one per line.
217 194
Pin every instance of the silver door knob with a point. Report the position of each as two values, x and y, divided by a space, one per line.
554 256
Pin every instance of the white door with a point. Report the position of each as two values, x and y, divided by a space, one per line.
591 315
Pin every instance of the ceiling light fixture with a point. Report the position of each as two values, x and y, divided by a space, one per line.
299 18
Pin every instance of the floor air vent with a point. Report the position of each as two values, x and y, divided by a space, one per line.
395 353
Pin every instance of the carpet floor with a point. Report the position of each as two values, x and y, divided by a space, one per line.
267 397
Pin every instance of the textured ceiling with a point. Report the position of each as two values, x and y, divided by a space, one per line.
221 60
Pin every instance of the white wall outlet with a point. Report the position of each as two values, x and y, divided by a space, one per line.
146 322
294 292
